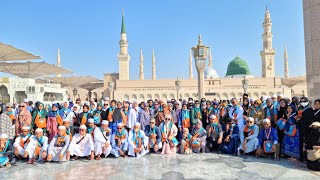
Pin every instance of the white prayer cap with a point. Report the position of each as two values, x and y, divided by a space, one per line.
315 124
120 125
137 124
213 117
9 105
90 120
66 120
251 99
274 96
76 105
250 119
83 126
25 100
95 104
153 119
167 116
107 99
266 120
105 122
4 136
62 127
39 130
281 95
26 128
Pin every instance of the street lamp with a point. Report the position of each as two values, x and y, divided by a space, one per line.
178 86
75 92
200 56
110 87
245 84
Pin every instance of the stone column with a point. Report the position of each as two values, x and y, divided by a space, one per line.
311 12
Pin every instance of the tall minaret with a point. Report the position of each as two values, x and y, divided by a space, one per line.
154 77
141 66
210 59
123 56
286 63
58 62
267 54
190 65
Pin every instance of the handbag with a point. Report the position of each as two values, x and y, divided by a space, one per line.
313 155
292 130
267 146
281 123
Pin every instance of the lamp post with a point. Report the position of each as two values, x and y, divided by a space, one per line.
178 86
110 87
200 57
75 93
245 85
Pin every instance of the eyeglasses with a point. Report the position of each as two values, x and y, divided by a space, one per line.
167 119
151 122
81 129
9 107
106 104
156 104
249 122
119 128
21 106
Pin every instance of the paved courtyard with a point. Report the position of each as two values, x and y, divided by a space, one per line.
195 166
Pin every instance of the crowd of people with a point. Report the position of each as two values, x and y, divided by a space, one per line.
272 127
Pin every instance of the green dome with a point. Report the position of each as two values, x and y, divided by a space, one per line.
238 66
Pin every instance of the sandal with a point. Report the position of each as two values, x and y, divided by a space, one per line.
98 158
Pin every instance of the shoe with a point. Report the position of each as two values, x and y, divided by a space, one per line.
14 161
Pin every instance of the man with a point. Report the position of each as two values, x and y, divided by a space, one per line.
73 116
268 141
249 137
119 141
154 134
214 134
102 138
195 113
199 135
144 117
236 113
81 145
57 150
21 142
91 126
37 147
69 130
138 142
23 119
133 115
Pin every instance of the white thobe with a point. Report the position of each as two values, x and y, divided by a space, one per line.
132 118
83 148
100 139
34 143
123 146
16 143
144 141
239 116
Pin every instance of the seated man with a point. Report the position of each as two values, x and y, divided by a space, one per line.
138 142
90 127
69 130
185 143
21 142
81 145
37 147
58 146
268 141
6 150
119 141
214 134
231 140
249 137
102 138
199 135
154 134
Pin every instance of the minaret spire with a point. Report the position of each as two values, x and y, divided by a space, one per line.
210 59
268 52
154 77
286 63
58 61
123 56
190 65
141 66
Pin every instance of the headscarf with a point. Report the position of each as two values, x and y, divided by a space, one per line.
283 110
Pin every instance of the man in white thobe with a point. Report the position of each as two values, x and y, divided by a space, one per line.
138 142
236 113
102 137
38 146
21 142
119 141
81 144
57 150
132 115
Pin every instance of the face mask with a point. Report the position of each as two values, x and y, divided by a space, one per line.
304 104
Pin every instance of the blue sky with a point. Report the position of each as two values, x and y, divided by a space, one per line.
88 32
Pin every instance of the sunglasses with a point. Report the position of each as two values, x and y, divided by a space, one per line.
249 122
81 129
21 106
156 104
151 122
9 107
168 119
119 128
106 104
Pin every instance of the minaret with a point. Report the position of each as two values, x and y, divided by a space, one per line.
267 54
190 65
286 63
123 56
58 62
141 66
210 59
154 77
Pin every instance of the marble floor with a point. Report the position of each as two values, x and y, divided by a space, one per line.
153 166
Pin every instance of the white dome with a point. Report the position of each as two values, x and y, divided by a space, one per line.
210 73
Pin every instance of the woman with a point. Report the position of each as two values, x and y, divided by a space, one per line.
313 145
144 117
245 107
6 151
169 132
199 136
84 116
291 141
207 112
257 113
10 113
24 118
282 116
231 141
249 137
6 123
97 115
53 121
39 118
270 112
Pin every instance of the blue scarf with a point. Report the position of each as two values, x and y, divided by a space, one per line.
185 114
6 147
40 140
135 138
